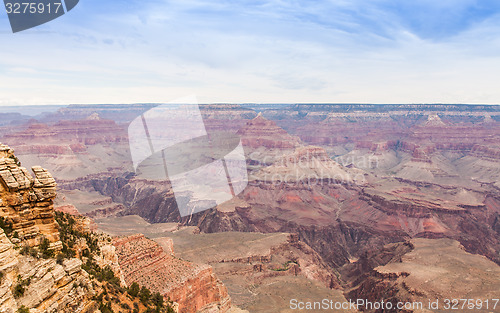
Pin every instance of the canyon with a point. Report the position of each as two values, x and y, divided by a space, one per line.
337 184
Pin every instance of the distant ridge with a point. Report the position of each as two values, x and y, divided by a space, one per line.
352 107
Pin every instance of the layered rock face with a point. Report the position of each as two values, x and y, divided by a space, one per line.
26 201
194 287
88 131
264 142
261 132
308 163
70 149
438 144
255 257
46 285
225 117
337 219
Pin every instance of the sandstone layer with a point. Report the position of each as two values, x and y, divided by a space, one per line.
26 201
194 287
48 286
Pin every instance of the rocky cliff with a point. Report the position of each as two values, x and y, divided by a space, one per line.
261 132
194 287
53 262
27 202
42 285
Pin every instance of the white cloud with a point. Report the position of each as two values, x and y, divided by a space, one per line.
269 51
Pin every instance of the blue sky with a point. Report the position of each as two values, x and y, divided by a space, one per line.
373 51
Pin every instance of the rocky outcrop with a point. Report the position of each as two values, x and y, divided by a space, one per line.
434 120
261 132
194 287
26 201
42 285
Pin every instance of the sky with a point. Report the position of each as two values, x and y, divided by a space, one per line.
277 51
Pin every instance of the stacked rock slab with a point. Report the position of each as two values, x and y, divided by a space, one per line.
26 202
52 287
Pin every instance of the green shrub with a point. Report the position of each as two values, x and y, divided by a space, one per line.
134 289
170 309
45 249
6 225
27 250
157 300
60 258
144 295
105 308
23 309
18 291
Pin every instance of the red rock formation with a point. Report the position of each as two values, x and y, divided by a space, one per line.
68 209
84 132
27 202
261 132
194 287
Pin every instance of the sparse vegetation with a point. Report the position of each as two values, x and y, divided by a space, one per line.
144 295
20 287
101 274
45 250
6 225
69 235
27 250
111 297
60 258
134 289
105 308
285 267
154 302
18 291
42 251
23 309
